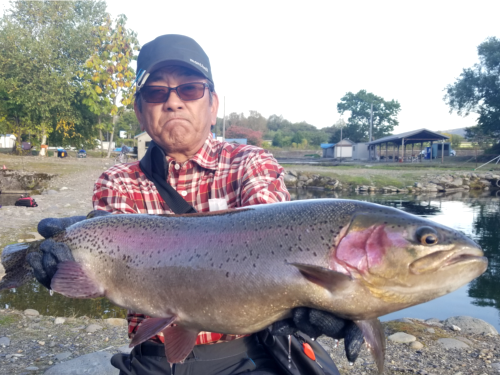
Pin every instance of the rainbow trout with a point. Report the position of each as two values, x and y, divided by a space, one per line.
238 271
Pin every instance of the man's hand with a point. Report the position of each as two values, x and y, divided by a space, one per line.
45 264
315 323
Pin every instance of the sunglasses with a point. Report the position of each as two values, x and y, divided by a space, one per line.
186 92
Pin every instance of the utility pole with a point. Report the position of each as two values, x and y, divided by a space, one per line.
224 121
371 123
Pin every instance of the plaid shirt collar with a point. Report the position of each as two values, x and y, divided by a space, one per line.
207 156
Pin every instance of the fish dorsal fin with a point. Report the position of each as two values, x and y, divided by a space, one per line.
149 328
71 280
375 340
179 342
324 277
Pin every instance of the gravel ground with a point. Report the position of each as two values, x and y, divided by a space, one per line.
35 341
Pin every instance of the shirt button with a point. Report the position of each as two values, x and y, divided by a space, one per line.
184 193
177 167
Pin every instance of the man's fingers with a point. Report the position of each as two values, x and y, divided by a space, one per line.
51 226
53 254
35 261
353 341
301 318
327 323
283 327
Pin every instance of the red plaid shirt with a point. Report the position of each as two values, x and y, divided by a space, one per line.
243 175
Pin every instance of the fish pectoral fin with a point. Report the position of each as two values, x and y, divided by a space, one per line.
150 327
71 280
179 342
324 277
375 340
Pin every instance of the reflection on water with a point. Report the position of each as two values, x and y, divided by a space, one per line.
476 214
8 199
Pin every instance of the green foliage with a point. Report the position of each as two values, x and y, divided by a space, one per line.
128 121
42 45
108 74
253 137
358 125
477 90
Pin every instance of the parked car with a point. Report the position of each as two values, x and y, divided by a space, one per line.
81 154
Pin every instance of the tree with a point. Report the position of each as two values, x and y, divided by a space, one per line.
108 74
128 121
477 90
253 137
358 125
42 45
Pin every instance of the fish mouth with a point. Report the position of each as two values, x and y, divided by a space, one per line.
446 258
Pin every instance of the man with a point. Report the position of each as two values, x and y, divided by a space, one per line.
176 104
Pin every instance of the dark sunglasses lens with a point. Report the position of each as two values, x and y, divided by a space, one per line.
155 94
191 91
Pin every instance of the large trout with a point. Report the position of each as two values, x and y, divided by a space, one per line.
239 271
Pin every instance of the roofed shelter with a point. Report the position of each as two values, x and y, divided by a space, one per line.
414 137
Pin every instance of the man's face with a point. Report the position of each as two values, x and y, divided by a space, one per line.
179 127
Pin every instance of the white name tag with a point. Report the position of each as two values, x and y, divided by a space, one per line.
217 204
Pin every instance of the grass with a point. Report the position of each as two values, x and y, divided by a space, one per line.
9 319
415 329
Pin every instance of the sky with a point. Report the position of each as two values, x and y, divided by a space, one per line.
297 59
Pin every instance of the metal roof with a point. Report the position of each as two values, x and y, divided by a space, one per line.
327 145
414 136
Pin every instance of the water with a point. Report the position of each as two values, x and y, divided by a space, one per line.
8 199
476 214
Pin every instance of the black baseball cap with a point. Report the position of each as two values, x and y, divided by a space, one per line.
171 49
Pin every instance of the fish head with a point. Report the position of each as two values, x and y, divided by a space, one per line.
404 259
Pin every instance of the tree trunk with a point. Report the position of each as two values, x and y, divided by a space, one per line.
100 136
111 137
44 139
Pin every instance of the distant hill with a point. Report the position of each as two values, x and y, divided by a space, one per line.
459 131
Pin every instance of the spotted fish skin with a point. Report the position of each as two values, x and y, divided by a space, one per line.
238 271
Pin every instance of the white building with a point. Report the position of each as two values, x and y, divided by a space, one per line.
7 140
143 141
343 149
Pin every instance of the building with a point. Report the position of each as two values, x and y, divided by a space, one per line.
7 140
143 141
328 149
343 149
360 151
237 141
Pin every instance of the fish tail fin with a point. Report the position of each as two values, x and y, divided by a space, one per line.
375 340
14 267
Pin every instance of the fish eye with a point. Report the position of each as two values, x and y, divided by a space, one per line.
427 236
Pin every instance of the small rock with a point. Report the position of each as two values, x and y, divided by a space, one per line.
42 343
402 337
455 328
31 312
4 341
416 345
59 320
116 322
31 368
63 188
448 343
93 328
496 366
431 330
404 320
466 340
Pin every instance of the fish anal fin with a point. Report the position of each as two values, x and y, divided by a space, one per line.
324 277
179 342
71 280
150 327
375 340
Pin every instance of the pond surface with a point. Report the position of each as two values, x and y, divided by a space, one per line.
475 214
8 199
